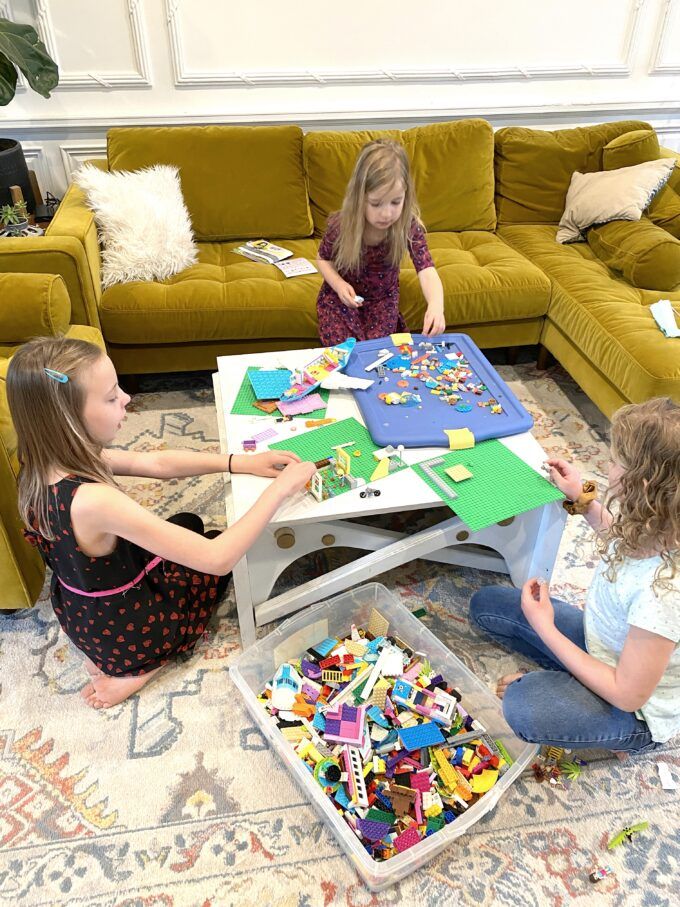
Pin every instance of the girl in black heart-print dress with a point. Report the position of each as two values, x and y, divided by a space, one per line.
129 589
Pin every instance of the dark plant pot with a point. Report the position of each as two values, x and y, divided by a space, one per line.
14 172
15 229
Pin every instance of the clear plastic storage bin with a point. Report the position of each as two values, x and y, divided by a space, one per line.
256 666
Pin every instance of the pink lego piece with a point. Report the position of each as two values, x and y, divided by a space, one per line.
421 781
346 725
406 839
417 806
304 405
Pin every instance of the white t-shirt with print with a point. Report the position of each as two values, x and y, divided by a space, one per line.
611 609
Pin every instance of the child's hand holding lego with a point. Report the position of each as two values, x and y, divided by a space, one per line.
536 605
270 462
293 478
347 296
566 477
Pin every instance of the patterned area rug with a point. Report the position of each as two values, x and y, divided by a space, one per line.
173 799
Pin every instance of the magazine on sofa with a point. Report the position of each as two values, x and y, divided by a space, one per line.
261 250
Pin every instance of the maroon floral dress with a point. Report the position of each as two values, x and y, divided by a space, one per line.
377 280
128 633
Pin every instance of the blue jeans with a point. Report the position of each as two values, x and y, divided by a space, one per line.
551 707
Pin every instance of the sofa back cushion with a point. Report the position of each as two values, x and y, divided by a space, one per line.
452 166
639 147
238 182
534 167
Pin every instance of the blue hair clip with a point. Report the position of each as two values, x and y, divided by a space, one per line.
56 376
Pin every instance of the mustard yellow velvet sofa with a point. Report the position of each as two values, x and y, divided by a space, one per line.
490 203
32 305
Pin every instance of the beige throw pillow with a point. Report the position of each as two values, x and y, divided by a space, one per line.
623 194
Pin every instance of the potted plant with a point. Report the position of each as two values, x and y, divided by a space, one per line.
21 49
14 218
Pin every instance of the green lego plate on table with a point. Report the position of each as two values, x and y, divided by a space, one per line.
318 443
243 404
502 485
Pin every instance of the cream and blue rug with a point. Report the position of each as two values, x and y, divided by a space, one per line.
173 799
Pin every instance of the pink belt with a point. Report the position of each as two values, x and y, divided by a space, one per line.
130 585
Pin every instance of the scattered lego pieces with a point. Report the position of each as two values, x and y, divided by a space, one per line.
384 736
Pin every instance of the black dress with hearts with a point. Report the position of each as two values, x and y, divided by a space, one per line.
127 633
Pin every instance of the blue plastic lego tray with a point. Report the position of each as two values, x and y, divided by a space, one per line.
424 424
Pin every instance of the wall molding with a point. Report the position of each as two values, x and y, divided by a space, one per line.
37 160
74 154
185 78
538 115
139 78
656 66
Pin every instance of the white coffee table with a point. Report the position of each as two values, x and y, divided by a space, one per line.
523 546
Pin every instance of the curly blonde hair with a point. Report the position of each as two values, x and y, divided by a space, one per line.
645 440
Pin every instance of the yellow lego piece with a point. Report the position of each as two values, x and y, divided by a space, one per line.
458 472
401 339
381 470
484 781
377 624
355 648
459 438
379 693
449 776
468 756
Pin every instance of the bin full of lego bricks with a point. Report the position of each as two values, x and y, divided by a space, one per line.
395 742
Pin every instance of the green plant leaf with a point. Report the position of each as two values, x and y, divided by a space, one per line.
23 48
8 81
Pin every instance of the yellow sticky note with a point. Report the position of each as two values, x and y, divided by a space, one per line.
458 472
459 438
401 339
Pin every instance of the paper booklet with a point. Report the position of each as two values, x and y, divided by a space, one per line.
261 250
295 267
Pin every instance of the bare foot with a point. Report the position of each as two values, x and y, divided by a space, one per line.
104 691
504 682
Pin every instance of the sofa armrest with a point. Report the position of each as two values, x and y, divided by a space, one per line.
64 255
34 305
669 152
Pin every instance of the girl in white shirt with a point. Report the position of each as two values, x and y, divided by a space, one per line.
611 675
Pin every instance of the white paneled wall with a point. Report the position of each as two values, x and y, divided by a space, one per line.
366 63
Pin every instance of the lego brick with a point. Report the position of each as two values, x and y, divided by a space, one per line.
270 384
426 734
407 839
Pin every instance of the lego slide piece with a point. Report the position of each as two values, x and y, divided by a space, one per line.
460 438
381 470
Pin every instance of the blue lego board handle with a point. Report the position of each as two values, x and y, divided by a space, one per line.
424 426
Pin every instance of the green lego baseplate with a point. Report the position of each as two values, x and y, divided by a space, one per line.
318 443
502 485
243 404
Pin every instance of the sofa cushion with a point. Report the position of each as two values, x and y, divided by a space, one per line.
452 166
238 182
534 167
223 297
637 148
485 281
646 255
606 319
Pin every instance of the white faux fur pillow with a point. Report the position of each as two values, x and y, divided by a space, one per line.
622 194
143 222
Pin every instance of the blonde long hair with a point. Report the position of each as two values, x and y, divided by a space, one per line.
48 419
646 443
380 165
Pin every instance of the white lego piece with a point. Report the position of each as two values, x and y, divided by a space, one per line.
383 356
